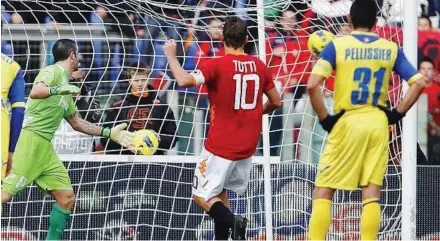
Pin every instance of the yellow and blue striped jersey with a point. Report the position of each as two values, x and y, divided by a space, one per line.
13 91
12 82
363 64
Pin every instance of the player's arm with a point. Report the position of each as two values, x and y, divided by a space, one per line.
415 80
274 99
183 78
321 71
84 126
116 134
316 98
16 98
46 85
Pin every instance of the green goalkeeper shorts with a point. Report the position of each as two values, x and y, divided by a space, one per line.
35 160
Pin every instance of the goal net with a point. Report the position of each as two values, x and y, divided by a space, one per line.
121 197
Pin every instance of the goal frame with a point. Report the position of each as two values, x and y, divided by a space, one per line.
409 132
409 135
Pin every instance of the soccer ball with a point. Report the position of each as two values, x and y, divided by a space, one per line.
318 40
146 141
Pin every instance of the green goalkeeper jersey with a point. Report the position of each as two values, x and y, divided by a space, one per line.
43 116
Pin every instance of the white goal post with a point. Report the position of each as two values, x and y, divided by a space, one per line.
409 134
140 197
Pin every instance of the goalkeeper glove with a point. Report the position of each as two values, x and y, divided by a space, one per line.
393 116
119 135
330 121
64 90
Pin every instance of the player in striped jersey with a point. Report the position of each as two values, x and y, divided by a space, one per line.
12 98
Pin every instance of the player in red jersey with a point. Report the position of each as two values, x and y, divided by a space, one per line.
236 83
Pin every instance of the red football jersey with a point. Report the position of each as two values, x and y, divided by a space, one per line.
433 92
236 84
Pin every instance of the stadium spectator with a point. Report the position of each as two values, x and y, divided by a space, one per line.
165 21
391 12
210 45
427 67
287 55
121 19
425 23
340 26
20 11
289 62
140 110
70 11
289 25
25 12
210 42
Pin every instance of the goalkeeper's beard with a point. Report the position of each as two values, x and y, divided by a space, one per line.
76 65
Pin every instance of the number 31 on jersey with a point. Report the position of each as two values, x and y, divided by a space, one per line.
241 91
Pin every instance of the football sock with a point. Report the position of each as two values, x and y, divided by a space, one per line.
223 220
57 222
320 220
370 220
221 231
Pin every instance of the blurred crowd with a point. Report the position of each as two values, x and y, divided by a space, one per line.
196 25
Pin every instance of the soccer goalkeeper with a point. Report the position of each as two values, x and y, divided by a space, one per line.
34 159
356 153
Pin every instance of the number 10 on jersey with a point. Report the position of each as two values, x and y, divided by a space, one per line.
241 91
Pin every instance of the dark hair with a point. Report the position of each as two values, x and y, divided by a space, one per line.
363 13
427 18
234 32
427 59
62 49
137 68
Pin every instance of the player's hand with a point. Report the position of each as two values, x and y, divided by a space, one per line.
330 121
393 115
119 135
65 90
169 48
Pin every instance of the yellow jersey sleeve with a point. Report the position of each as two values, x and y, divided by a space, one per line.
405 69
322 68
327 61
16 92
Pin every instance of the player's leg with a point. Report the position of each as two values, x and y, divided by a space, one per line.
320 219
55 180
64 200
220 212
339 168
209 177
373 172
238 182
370 219
225 199
26 166
6 197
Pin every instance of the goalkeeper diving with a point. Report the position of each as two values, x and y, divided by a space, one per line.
35 160
356 152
